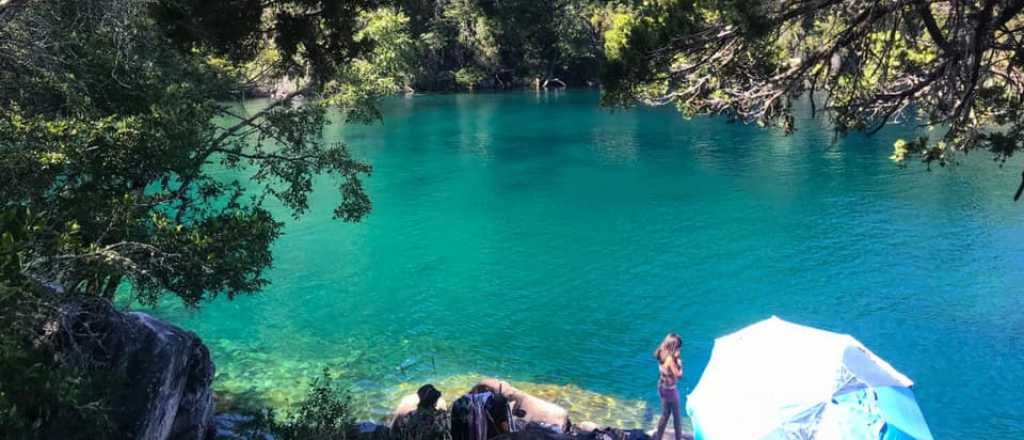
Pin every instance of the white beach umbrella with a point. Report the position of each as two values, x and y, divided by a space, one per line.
779 380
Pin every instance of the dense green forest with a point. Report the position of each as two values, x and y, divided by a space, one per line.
443 45
466 43
111 110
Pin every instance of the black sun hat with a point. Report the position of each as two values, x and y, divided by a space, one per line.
428 396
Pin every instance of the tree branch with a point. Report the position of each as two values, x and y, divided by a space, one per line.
924 11
248 121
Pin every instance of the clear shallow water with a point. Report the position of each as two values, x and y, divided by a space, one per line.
541 239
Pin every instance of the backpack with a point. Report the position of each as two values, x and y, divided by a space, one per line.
478 416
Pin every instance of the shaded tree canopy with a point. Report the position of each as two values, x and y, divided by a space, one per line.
954 66
112 113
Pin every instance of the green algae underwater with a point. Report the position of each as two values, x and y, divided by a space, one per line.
539 238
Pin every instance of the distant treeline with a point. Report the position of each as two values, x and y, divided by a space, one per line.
460 44
465 43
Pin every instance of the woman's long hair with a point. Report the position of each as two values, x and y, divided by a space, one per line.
668 347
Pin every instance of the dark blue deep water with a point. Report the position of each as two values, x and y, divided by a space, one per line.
542 239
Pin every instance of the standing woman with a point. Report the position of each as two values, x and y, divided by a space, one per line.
670 369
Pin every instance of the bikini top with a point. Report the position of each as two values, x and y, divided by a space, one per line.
667 379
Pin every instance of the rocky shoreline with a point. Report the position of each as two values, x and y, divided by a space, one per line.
168 375
228 426
286 86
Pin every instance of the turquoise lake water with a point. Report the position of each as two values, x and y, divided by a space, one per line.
539 238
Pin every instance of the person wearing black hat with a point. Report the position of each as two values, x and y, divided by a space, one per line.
427 422
428 397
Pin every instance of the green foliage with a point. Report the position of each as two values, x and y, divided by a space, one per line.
512 41
618 25
108 132
920 147
476 32
469 77
632 34
387 69
548 38
41 396
324 414
394 51
951 67
314 38
17 226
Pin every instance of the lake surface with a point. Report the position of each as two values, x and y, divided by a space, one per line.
541 239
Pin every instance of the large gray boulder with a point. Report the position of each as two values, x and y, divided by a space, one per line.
162 372
173 371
